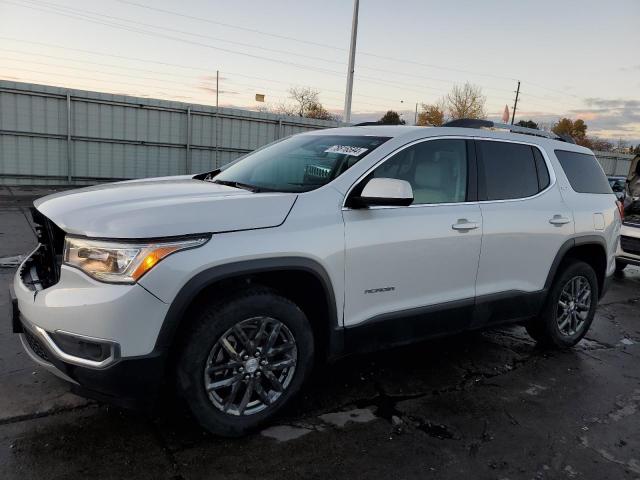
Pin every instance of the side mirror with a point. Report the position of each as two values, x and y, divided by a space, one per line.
385 192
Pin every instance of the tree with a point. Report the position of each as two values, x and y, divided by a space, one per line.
599 144
317 111
304 98
466 101
528 124
391 118
636 150
305 104
431 115
576 129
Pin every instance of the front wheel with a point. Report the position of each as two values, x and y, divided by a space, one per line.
570 307
244 359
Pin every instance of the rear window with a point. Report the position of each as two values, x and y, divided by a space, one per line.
507 171
584 172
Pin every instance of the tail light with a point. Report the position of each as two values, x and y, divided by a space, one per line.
620 206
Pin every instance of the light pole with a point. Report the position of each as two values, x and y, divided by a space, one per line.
352 60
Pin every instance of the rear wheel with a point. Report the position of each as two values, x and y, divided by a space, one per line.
570 307
245 358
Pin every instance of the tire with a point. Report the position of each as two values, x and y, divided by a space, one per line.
620 266
237 365
556 326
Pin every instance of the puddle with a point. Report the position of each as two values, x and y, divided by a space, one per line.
284 433
340 419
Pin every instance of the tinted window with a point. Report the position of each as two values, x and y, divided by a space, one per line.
436 170
584 172
541 167
506 170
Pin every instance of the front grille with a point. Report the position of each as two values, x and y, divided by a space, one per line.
36 345
630 245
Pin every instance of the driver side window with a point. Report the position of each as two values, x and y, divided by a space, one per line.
436 170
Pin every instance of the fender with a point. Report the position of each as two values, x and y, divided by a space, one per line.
208 277
568 245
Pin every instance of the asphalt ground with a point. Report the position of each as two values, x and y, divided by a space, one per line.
486 405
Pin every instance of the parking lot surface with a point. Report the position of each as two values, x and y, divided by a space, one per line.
487 405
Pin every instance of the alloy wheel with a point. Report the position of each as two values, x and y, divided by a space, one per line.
574 305
250 366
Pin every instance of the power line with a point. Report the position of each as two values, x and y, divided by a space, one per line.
294 39
238 27
233 82
170 37
72 12
150 33
324 45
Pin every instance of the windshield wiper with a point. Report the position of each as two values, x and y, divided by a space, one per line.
244 186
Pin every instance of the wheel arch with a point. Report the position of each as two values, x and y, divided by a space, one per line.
288 275
591 249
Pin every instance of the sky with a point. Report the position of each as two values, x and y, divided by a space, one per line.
574 58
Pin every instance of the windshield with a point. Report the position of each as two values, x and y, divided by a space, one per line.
300 163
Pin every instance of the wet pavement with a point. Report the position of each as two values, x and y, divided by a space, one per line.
487 405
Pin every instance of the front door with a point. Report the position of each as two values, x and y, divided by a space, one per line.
411 271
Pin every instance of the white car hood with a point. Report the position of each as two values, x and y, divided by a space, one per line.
163 207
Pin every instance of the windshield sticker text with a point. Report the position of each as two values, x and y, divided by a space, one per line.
346 150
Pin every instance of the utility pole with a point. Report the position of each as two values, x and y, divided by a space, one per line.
217 88
352 60
415 117
515 104
217 114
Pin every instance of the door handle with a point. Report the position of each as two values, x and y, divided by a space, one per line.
559 220
464 224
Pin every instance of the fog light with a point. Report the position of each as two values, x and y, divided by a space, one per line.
81 347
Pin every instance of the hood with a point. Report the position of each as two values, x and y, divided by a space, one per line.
163 207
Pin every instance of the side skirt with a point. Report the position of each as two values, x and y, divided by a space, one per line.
409 326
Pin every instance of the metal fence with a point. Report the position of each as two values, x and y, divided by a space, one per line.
55 136
615 164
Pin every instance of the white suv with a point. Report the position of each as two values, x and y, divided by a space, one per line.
229 285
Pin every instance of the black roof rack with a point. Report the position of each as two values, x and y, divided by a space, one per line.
366 124
477 123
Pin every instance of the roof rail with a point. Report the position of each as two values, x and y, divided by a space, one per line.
477 123
366 124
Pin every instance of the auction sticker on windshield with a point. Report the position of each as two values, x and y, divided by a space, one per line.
346 150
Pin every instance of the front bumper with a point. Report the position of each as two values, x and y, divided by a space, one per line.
131 382
629 245
119 322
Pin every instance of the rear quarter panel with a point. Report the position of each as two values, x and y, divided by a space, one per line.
593 214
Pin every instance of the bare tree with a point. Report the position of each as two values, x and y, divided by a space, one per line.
304 97
466 101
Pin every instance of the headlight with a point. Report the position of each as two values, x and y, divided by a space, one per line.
120 262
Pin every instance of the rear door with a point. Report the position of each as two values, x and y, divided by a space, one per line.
525 222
